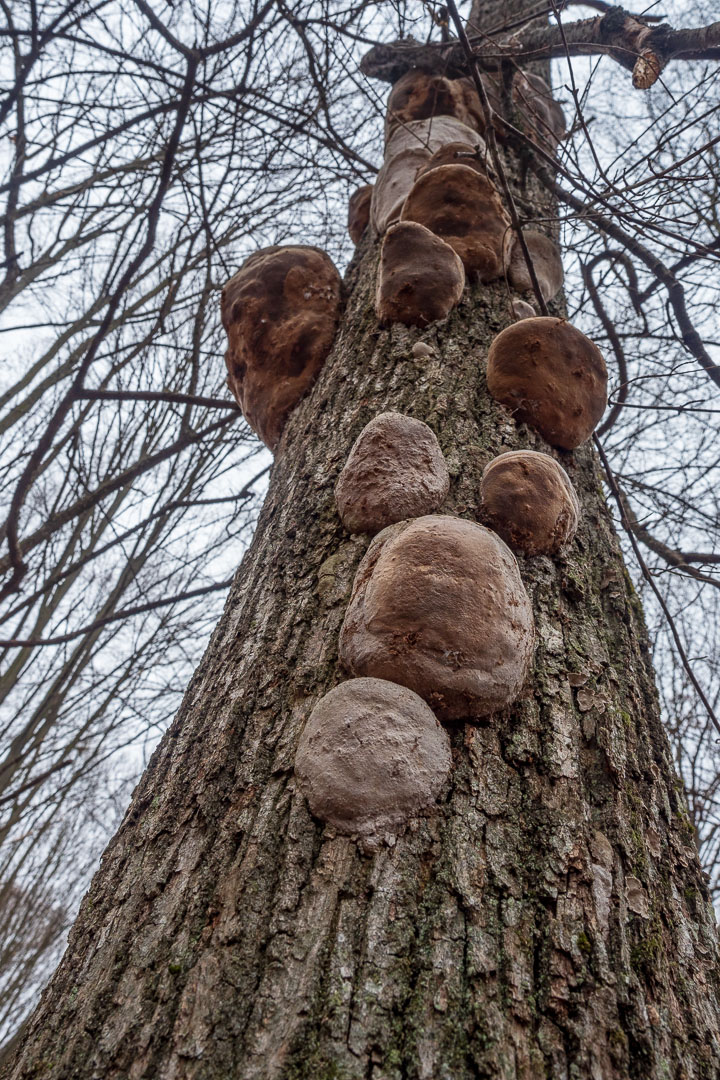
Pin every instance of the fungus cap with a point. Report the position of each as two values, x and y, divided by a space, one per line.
408 149
523 310
458 153
547 263
529 500
359 212
544 117
464 208
438 605
551 377
394 471
371 755
420 278
280 312
419 95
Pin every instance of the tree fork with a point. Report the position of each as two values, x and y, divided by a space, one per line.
548 918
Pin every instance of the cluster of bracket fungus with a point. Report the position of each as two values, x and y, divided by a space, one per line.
438 606
439 624
551 377
359 212
395 470
528 499
463 207
280 312
547 264
371 755
420 278
408 149
419 95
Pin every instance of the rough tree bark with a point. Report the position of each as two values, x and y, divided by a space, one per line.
547 918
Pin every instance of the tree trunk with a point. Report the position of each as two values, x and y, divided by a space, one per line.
547 918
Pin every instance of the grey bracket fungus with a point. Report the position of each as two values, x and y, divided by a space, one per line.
420 278
371 756
529 500
395 470
551 377
359 212
280 312
438 605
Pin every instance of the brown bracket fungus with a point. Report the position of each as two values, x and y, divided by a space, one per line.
547 262
419 95
394 471
420 278
551 377
408 149
371 755
359 212
463 207
280 312
529 500
438 605
545 119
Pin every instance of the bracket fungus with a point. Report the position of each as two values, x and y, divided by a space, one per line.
371 755
544 117
547 263
394 471
438 606
408 149
359 212
418 95
457 153
420 278
551 377
280 312
464 208
529 500
522 310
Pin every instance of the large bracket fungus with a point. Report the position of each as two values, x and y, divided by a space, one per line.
359 212
544 117
551 377
464 208
418 95
408 149
420 278
529 500
438 605
458 153
547 263
280 312
371 755
394 471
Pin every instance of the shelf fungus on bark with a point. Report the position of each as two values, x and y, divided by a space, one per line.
458 153
371 756
529 500
463 207
551 377
547 263
544 119
419 95
438 605
280 312
359 212
523 310
408 149
395 470
420 278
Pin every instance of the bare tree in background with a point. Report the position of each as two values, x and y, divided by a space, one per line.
149 149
